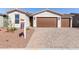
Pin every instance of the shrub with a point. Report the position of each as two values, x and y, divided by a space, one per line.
27 28
12 29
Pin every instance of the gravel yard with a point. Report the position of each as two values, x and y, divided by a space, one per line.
54 38
41 38
12 39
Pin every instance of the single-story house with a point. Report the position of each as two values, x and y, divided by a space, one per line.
49 18
1 20
45 18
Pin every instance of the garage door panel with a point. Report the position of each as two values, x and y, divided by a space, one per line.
46 22
65 23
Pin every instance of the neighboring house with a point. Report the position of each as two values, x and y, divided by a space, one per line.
45 18
1 20
75 22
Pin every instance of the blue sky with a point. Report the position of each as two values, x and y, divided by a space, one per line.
33 10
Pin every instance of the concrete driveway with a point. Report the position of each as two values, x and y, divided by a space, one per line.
54 38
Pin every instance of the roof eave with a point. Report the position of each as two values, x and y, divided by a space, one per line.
18 11
47 11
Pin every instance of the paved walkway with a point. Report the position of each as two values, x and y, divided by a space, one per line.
54 38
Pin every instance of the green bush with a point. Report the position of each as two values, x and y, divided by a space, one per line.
27 28
12 29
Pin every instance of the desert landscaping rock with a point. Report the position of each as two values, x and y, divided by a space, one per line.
12 39
54 38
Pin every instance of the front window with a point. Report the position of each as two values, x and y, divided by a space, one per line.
17 18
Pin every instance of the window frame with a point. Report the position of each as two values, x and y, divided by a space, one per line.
17 16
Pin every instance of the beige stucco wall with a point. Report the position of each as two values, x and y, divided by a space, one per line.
46 14
22 16
1 21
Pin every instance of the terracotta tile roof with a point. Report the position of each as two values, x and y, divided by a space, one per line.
28 14
46 11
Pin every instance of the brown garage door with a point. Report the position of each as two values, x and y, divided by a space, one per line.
65 23
46 22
